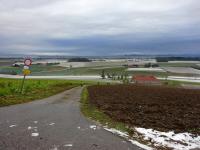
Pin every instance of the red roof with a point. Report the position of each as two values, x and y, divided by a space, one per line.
144 78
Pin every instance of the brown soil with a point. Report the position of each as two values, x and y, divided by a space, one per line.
160 108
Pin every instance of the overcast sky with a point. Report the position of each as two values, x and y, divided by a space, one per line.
99 27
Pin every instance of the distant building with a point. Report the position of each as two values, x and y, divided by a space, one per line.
147 80
15 65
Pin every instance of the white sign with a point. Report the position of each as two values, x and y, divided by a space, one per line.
26 67
27 62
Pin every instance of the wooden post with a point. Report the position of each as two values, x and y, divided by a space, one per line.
22 84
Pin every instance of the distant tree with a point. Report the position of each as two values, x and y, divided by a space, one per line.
118 77
173 58
108 75
155 65
196 67
103 74
79 59
148 65
113 76
125 75
122 77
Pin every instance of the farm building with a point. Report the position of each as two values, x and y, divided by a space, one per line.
148 80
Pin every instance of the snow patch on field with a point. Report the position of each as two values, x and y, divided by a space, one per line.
68 145
51 124
184 79
182 70
126 136
180 141
35 134
14 125
146 69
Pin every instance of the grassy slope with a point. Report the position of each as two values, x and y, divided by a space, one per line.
33 89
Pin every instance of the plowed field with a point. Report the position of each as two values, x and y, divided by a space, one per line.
156 107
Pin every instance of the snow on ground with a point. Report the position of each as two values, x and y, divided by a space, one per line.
14 125
146 69
73 64
35 134
187 78
183 62
68 145
51 124
183 79
126 136
35 122
182 70
180 141
94 127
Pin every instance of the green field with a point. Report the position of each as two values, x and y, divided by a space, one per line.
52 70
165 64
39 68
55 70
33 89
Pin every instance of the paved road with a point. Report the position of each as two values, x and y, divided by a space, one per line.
68 77
54 123
97 78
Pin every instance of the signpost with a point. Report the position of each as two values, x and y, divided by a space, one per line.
26 71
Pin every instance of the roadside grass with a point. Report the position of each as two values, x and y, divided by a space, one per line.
33 89
93 113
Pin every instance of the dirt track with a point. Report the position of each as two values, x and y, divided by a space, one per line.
155 107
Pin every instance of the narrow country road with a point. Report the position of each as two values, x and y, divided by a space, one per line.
54 123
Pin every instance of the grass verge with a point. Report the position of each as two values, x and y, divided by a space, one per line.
93 113
33 89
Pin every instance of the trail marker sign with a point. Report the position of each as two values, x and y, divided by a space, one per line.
27 62
26 71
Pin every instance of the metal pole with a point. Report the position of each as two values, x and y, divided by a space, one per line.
22 84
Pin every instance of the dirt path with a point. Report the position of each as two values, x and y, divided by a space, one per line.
54 123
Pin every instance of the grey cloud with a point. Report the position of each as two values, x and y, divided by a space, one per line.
68 25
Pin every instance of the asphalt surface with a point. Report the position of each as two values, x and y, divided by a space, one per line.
96 78
55 123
